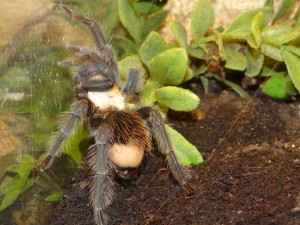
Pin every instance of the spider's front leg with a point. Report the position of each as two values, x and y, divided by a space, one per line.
93 27
106 61
67 127
157 127
101 192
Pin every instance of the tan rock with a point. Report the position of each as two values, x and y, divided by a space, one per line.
8 142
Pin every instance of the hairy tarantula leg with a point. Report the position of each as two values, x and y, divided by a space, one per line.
131 83
108 57
156 125
97 85
67 127
93 27
101 190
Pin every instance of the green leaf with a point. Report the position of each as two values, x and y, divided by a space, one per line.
272 52
189 74
186 153
122 43
284 9
254 39
20 181
12 191
202 69
292 63
111 15
202 18
238 89
176 98
153 22
219 42
279 34
179 33
54 197
205 83
146 7
153 45
255 62
292 49
71 146
267 72
23 168
195 52
236 60
240 28
129 19
129 62
28 184
278 86
147 94
169 67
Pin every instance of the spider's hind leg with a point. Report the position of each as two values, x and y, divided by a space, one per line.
156 125
101 191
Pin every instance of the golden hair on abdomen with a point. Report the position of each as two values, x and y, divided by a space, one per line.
129 126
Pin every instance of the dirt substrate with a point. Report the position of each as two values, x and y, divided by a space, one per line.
252 176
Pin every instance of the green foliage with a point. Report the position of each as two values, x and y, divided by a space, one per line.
255 60
202 19
279 86
111 15
132 61
186 153
19 182
71 145
130 20
256 39
177 98
168 67
179 33
246 22
153 45
291 60
235 58
54 197
140 18
46 90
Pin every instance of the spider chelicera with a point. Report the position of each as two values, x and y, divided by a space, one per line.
121 135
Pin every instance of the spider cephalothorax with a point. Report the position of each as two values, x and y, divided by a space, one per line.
121 135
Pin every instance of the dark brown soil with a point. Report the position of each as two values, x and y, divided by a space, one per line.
251 173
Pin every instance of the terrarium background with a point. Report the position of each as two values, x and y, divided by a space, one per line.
55 31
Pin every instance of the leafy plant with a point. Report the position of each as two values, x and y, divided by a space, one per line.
139 18
54 197
254 42
19 182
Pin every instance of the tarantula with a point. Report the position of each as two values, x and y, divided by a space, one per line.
121 135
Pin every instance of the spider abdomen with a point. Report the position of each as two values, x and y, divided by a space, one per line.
128 155
130 138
